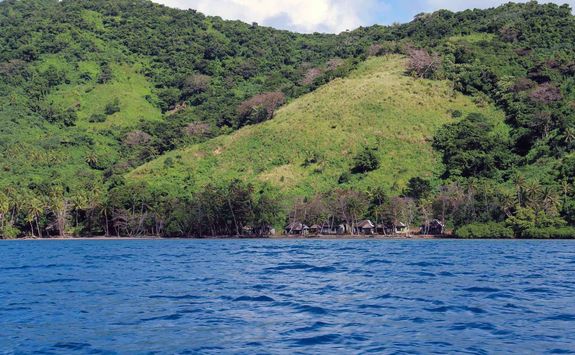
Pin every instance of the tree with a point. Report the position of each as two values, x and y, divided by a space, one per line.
106 74
112 107
421 63
351 206
472 147
60 207
546 94
260 108
418 188
365 161
195 84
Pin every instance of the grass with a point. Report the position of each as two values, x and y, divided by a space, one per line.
313 140
128 86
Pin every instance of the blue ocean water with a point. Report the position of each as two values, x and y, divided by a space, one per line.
308 297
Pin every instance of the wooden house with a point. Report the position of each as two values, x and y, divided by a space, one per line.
297 228
315 229
391 229
365 227
434 227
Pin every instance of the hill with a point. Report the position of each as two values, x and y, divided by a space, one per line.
309 144
130 117
77 77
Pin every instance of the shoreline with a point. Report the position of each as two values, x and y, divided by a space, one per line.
339 237
278 238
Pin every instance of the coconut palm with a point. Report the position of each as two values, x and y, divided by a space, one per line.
520 188
569 135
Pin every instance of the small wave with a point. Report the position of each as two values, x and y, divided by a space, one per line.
291 266
446 273
372 306
473 325
377 261
422 264
183 297
319 339
302 266
312 309
425 274
58 281
539 290
174 316
562 318
481 289
254 299
312 328
25 267
72 346
560 351
445 309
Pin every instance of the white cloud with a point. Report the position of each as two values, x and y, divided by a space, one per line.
299 15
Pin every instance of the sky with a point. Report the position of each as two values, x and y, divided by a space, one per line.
332 16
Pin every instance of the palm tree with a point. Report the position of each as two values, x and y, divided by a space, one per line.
550 199
35 209
91 159
533 192
569 135
59 205
508 202
4 208
520 186
565 190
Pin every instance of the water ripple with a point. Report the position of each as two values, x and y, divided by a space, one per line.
284 297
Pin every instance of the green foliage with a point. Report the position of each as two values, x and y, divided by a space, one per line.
365 161
112 107
97 118
527 219
310 144
549 233
9 232
418 188
472 147
91 90
489 230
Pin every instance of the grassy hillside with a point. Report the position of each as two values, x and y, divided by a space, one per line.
313 140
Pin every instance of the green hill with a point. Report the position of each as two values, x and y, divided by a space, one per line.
313 140
114 115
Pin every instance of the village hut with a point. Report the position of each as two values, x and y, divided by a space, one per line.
297 228
434 227
391 229
401 228
365 227
247 231
315 229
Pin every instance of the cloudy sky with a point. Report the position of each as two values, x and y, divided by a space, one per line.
327 15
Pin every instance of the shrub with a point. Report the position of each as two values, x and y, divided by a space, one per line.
365 161
9 232
97 118
549 233
489 230
112 107
456 114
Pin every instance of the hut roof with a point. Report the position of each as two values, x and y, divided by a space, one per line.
367 224
296 227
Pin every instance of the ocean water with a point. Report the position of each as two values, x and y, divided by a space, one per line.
287 297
